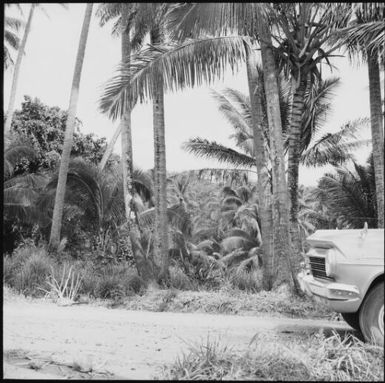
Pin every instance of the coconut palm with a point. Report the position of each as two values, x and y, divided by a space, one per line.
16 71
124 14
317 150
152 18
364 39
185 64
65 157
302 33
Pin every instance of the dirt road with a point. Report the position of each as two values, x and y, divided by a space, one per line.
129 344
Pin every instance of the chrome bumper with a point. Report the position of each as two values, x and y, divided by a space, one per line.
339 297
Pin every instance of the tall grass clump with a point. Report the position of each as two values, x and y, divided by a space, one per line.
179 280
117 281
27 269
246 280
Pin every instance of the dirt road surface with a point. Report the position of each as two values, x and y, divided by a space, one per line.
128 344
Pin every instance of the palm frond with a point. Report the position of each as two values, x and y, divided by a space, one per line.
336 148
191 64
197 19
211 149
317 106
349 196
358 38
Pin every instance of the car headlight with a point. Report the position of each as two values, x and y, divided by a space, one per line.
330 263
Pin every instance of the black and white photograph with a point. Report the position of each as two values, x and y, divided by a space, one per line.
193 191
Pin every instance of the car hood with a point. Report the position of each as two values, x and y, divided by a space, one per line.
351 243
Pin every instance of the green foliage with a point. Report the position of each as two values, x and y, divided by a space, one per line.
44 128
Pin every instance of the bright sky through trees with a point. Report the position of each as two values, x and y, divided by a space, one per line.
47 71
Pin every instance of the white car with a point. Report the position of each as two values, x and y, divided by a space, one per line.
345 270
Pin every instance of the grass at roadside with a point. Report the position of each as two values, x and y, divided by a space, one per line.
229 301
274 303
316 358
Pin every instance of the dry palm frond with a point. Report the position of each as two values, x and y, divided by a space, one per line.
67 289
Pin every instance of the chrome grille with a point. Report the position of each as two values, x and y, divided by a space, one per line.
317 267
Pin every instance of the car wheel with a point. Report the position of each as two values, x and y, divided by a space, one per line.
372 315
352 319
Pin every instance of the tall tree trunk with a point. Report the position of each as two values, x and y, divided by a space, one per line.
16 71
295 131
143 264
263 184
110 147
161 220
376 123
282 241
68 139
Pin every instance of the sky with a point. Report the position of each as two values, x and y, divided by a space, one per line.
47 71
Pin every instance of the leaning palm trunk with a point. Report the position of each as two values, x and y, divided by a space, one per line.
377 131
295 129
143 264
110 148
68 139
16 71
261 164
161 220
282 242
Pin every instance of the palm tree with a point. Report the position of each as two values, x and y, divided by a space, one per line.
152 18
16 71
65 157
207 59
330 148
365 39
11 39
305 29
125 14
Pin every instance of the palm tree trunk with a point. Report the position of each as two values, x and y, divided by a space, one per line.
377 128
68 139
261 164
295 130
161 220
282 241
110 148
143 264
16 71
